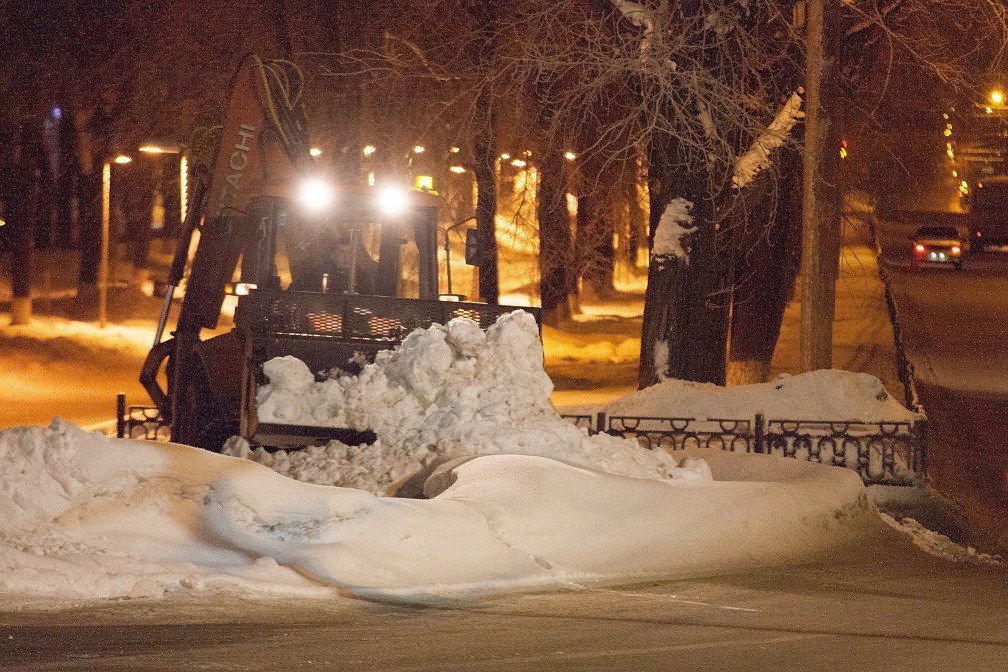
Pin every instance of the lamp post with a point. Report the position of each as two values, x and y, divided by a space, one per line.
106 220
155 147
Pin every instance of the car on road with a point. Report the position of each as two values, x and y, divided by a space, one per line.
940 245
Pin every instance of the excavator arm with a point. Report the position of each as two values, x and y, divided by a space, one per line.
262 148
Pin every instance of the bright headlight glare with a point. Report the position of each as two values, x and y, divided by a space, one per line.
315 195
392 201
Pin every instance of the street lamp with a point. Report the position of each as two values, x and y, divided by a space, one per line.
106 219
996 97
156 147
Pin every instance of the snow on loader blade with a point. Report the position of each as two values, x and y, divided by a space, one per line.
333 331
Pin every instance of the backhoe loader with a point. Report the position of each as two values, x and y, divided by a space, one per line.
259 206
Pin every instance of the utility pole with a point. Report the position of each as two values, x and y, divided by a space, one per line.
820 197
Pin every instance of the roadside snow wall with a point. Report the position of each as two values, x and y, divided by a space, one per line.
446 392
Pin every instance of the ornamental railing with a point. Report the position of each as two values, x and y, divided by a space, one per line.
140 422
892 453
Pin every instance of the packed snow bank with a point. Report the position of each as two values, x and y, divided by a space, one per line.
85 516
827 394
513 521
446 392
92 517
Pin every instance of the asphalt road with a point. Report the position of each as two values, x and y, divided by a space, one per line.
879 606
955 328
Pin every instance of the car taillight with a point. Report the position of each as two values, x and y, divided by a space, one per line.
955 249
918 247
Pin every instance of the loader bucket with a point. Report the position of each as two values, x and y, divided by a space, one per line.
333 331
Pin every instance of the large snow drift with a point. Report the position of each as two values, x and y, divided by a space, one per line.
516 497
827 394
446 392
91 517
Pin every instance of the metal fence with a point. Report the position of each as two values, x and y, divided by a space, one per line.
904 366
892 453
140 422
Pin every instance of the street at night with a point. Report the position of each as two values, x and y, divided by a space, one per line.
481 336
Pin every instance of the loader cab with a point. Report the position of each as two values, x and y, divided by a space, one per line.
379 241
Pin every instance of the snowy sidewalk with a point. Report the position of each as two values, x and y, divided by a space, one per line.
592 359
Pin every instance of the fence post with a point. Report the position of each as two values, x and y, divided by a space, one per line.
920 437
600 422
758 434
120 415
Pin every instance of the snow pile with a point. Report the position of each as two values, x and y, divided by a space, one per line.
444 393
675 224
939 545
90 517
827 394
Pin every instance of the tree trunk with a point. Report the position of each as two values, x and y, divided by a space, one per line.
820 218
554 239
66 180
708 289
666 316
635 214
44 221
89 198
766 270
91 133
596 256
485 151
687 309
22 211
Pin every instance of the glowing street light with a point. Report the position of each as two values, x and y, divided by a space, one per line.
106 220
369 150
315 151
996 97
570 156
157 147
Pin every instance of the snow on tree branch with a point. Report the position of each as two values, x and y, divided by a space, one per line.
676 222
757 157
635 13
640 16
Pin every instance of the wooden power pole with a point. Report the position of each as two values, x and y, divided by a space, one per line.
820 197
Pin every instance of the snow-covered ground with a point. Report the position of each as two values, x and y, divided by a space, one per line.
507 496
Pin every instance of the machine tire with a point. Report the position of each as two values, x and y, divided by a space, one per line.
206 422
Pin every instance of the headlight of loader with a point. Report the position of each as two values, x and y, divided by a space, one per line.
315 195
392 201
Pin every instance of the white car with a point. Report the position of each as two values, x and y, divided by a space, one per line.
936 245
